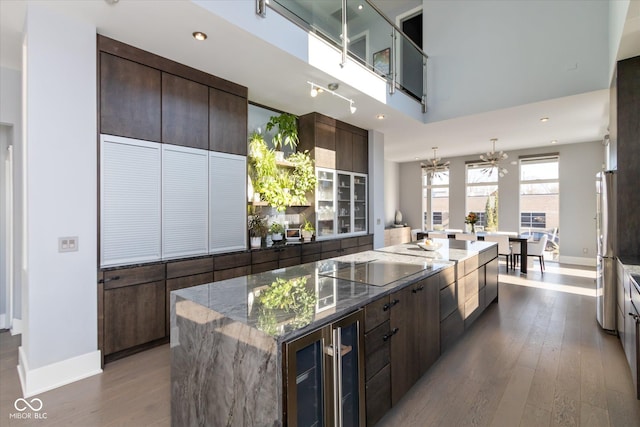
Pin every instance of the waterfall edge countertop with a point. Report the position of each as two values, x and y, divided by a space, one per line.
227 337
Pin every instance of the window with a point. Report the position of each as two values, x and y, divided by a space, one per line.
435 200
540 200
482 194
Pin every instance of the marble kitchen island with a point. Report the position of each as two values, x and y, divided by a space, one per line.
228 338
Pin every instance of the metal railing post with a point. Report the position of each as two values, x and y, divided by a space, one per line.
345 39
261 8
392 83
423 101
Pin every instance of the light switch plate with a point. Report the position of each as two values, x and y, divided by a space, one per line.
68 244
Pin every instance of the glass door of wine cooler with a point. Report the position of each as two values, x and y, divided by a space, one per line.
325 203
344 203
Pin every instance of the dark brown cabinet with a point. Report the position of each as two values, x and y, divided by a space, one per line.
228 266
360 144
185 112
130 99
227 122
134 307
278 257
184 274
344 150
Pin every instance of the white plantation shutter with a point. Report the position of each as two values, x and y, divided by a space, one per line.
184 201
227 202
129 200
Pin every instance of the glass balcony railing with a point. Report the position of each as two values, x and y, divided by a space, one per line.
371 39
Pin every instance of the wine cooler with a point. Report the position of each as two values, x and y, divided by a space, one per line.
324 376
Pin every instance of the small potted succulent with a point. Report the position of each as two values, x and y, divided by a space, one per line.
276 231
257 230
307 230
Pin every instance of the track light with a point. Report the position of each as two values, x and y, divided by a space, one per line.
316 89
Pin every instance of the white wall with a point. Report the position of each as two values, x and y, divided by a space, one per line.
472 70
391 193
617 16
59 343
377 187
579 164
11 115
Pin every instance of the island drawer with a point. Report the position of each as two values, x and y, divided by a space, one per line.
238 259
471 264
378 396
377 350
447 276
376 313
451 329
448 300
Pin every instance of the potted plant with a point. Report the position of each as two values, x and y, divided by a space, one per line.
257 230
276 231
287 134
307 230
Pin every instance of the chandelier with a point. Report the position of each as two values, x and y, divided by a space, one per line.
493 159
434 168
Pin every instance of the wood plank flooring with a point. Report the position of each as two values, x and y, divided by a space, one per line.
535 359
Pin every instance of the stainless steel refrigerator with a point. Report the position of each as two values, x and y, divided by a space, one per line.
606 259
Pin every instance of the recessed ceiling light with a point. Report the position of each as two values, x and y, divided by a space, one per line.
554 141
380 116
417 158
544 119
199 35
360 7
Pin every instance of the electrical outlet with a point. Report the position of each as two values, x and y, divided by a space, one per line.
68 244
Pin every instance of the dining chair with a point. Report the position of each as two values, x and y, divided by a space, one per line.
437 235
504 246
466 236
535 249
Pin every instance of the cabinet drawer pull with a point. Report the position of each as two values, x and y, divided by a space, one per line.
388 305
394 302
109 279
416 290
390 334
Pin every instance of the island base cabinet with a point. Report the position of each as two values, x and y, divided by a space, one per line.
324 381
378 395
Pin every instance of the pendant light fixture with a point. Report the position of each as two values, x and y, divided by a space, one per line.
493 159
434 168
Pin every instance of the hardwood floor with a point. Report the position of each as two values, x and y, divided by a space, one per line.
538 358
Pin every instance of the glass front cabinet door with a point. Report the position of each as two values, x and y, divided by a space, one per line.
325 376
341 203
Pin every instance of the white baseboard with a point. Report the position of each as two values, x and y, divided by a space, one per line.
3 321
589 262
16 327
36 381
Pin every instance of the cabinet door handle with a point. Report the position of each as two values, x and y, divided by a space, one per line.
388 305
416 290
394 302
390 334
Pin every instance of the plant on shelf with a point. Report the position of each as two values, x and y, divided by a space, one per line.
303 176
279 187
307 230
287 134
257 230
276 231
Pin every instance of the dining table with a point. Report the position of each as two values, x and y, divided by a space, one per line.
513 237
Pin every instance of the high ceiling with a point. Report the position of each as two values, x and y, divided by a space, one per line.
278 80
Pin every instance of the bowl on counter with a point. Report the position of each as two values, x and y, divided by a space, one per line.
429 246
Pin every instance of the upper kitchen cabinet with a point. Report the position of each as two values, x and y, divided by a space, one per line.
334 144
227 122
185 112
317 134
130 99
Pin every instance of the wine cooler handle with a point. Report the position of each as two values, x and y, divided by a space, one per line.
635 316
337 377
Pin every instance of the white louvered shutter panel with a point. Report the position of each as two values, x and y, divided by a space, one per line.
129 201
227 202
184 201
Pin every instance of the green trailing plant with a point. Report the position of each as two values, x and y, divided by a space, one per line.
280 187
287 134
308 226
